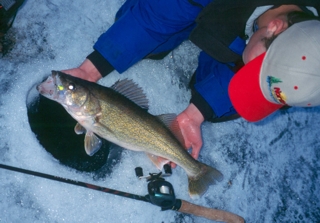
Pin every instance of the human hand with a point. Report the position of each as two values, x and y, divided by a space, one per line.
189 122
86 71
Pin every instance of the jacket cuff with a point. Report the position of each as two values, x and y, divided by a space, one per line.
102 65
201 104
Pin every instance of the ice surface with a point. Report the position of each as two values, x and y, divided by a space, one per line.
271 168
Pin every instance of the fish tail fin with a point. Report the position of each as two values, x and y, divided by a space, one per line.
200 183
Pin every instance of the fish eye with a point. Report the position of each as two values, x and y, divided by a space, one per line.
71 86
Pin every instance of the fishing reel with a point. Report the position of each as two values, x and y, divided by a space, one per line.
161 192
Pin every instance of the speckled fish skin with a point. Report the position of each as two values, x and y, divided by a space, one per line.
117 119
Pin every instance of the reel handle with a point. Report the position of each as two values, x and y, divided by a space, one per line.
209 213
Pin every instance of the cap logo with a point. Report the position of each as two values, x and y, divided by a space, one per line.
276 92
279 95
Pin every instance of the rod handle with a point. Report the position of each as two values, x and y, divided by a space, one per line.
209 213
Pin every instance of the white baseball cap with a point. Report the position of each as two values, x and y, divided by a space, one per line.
287 74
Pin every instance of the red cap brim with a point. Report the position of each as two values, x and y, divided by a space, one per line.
246 95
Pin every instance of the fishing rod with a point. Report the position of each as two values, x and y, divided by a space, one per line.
161 193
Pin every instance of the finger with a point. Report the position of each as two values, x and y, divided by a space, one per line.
196 149
188 145
195 154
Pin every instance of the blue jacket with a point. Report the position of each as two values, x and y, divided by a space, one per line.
145 27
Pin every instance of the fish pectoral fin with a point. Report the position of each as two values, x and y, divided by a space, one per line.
79 129
92 143
158 161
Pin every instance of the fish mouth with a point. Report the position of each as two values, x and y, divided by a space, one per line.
47 88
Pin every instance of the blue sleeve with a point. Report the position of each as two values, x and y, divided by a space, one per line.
212 81
143 26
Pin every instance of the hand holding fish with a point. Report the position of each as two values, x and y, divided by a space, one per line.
190 121
86 71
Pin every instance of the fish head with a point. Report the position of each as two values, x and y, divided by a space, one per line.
64 89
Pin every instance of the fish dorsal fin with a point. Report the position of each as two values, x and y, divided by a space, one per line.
170 121
132 91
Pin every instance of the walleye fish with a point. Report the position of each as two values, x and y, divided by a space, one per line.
119 114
